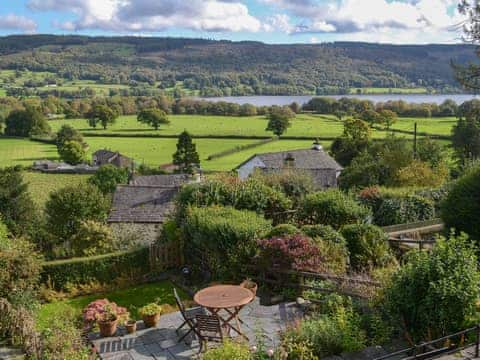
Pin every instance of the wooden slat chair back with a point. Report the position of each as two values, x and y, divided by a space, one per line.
208 328
188 316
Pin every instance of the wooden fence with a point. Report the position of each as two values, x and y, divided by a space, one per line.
445 345
166 256
355 286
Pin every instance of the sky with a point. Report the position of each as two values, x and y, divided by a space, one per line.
270 21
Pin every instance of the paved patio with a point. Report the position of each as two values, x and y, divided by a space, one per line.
162 342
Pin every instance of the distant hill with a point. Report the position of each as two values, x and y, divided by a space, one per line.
236 68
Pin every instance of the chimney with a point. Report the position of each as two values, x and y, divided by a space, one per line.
317 146
289 161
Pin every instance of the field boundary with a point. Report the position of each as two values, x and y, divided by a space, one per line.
240 148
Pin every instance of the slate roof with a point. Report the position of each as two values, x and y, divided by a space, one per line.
104 155
308 159
141 204
167 181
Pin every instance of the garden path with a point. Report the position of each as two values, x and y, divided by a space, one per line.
261 324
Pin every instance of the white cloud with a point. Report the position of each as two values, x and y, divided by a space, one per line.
375 20
16 22
153 15
279 22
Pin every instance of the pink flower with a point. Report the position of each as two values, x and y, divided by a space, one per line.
270 352
254 349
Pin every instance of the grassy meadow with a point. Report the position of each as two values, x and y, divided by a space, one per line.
41 185
198 125
24 152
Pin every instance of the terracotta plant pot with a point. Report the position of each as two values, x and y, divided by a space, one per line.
131 326
250 285
108 328
151 320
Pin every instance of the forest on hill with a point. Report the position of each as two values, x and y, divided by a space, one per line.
219 68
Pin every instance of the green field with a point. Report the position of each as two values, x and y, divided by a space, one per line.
132 298
41 185
24 152
434 126
198 125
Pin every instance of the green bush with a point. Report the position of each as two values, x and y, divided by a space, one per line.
250 194
229 351
368 246
325 232
331 207
435 293
222 239
402 210
334 256
461 208
330 334
283 229
103 268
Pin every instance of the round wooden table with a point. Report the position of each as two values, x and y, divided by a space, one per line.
230 298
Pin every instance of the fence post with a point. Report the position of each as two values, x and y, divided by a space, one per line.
477 345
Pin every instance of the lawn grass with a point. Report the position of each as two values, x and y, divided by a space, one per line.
40 185
132 298
24 152
3 92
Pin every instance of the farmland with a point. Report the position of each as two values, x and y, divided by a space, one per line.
24 152
303 125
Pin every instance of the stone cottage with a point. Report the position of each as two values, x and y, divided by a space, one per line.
323 169
141 207
105 157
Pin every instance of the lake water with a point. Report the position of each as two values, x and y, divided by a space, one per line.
261 100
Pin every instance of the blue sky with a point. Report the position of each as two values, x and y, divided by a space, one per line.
271 21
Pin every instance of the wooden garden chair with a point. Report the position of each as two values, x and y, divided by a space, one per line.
208 328
188 315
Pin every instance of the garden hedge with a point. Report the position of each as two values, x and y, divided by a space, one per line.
103 268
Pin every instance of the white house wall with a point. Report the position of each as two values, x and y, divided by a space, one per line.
249 167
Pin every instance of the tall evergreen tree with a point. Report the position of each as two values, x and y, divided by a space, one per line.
17 209
186 156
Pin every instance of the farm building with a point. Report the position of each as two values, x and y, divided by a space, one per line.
142 206
315 162
105 157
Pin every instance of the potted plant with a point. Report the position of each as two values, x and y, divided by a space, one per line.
250 285
107 321
106 314
150 314
131 326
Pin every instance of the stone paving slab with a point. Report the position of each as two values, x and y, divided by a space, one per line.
162 342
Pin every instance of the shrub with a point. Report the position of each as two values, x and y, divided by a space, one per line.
434 294
295 252
284 230
61 274
368 246
20 267
419 173
330 334
334 256
404 209
92 238
229 351
108 177
67 208
294 184
331 207
461 207
63 339
222 238
72 152
324 232
250 194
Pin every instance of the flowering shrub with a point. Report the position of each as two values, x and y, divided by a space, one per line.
102 309
290 252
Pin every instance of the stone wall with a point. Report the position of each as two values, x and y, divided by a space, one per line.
140 233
